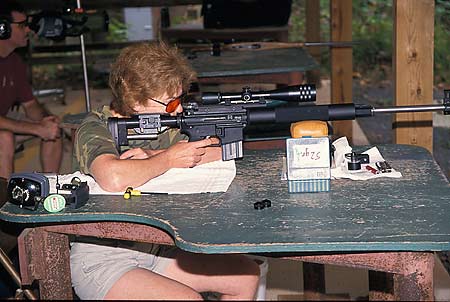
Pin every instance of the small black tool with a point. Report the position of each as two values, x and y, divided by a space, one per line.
259 205
267 203
79 192
354 163
383 166
79 196
74 184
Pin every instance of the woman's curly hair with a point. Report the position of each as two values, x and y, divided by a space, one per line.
147 70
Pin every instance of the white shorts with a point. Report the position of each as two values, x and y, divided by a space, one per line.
95 268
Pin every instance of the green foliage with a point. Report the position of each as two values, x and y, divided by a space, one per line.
117 31
297 21
297 26
190 16
372 26
441 54
442 42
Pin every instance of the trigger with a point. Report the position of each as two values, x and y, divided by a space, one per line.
214 145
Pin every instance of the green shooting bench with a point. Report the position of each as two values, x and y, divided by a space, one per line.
390 226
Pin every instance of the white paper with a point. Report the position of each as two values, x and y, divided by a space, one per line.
340 169
210 177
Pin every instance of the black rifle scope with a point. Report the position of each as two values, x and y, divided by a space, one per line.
298 93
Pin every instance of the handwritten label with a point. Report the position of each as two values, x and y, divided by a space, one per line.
308 158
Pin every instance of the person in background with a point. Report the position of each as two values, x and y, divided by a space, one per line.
15 89
148 78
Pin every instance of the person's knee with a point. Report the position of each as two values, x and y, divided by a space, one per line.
143 284
252 276
248 274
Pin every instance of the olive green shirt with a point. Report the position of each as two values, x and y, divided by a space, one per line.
93 139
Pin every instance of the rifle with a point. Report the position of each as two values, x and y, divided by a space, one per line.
225 115
276 45
255 46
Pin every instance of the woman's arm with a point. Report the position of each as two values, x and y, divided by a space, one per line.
115 174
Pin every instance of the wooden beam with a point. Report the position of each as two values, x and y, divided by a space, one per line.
198 32
341 61
156 22
77 48
312 27
413 70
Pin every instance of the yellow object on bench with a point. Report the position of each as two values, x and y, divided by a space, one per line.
309 129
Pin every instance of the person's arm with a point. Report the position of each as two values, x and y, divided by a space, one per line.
48 125
19 126
211 154
139 153
34 111
46 128
115 174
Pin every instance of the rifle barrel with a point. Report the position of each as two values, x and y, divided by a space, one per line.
402 109
332 43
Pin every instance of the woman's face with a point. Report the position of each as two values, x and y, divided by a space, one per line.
162 104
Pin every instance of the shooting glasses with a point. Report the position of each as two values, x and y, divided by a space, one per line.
173 103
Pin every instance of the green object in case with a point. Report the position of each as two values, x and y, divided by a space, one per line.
54 203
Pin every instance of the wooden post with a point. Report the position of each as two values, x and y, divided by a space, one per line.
341 61
313 280
156 22
413 70
312 27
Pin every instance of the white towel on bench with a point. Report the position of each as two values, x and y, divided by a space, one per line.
210 177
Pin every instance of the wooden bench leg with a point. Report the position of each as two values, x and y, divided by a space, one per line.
415 284
313 281
381 286
45 257
392 276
